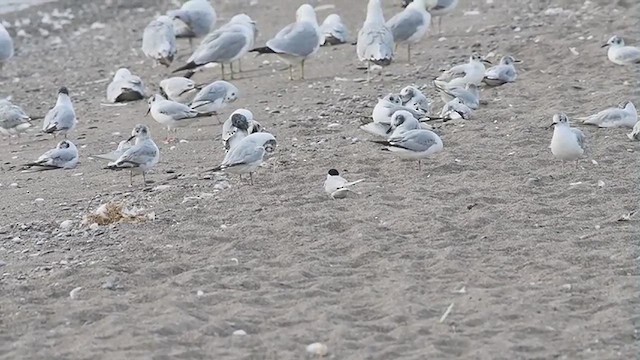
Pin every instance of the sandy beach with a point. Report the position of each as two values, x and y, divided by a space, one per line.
530 258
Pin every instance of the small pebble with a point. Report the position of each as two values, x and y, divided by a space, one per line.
317 349
66 225
239 332
200 293
38 201
13 185
73 294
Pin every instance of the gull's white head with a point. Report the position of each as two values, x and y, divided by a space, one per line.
140 132
508 60
65 144
167 20
232 92
627 105
475 57
333 19
560 119
393 98
400 117
408 93
614 41
244 112
239 121
241 19
122 74
306 13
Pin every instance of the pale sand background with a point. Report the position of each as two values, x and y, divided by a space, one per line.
371 276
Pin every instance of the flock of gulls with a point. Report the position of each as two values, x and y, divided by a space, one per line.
400 121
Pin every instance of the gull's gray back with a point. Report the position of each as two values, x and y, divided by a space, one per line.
415 140
220 47
404 24
301 39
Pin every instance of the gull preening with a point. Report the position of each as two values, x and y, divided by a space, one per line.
61 119
297 41
13 120
388 105
375 40
224 46
139 158
567 143
239 125
463 74
336 186
410 25
455 109
6 46
159 41
125 87
625 115
414 98
620 54
469 94
194 19
63 156
334 30
248 155
179 89
214 97
401 121
503 73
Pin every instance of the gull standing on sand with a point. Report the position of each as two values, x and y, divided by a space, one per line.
224 46
195 19
159 41
6 46
114 155
620 54
461 75
139 158
172 114
248 154
503 73
625 115
64 156
125 87
62 118
414 144
469 95
334 30
215 97
336 186
412 97
375 40
238 126
179 89
13 120
567 143
410 25
296 42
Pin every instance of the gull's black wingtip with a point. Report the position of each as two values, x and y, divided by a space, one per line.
188 66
